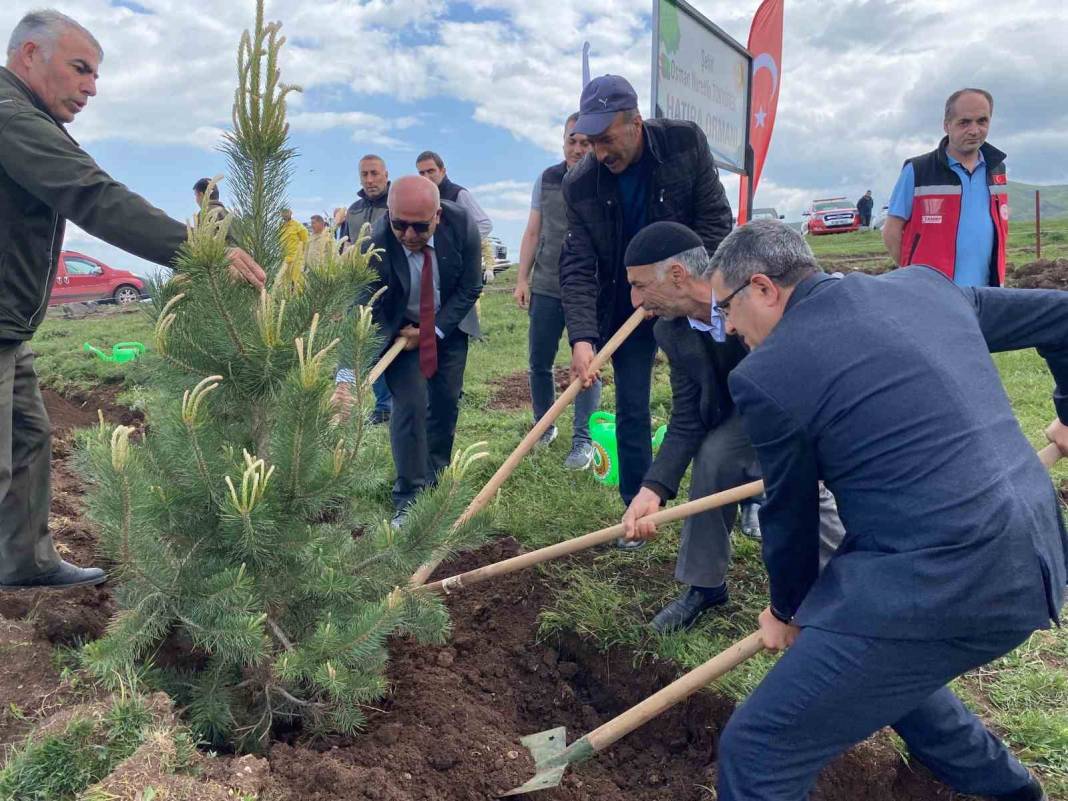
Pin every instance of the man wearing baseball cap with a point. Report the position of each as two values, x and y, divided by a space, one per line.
641 171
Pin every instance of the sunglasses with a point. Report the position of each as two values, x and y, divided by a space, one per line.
400 226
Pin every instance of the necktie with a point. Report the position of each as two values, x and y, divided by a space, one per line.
428 339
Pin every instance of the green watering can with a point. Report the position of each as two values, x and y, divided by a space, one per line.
605 453
121 352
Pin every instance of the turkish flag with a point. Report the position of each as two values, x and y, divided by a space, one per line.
765 43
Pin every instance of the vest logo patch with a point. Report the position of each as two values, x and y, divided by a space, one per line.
1005 212
932 206
1001 178
934 219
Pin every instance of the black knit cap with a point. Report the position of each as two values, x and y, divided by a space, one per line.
659 241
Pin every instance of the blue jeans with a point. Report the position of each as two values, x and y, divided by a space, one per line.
383 399
830 691
543 340
632 365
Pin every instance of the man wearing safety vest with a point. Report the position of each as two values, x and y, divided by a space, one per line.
950 207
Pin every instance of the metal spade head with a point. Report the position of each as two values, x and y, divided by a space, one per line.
545 747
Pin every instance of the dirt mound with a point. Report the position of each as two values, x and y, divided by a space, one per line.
1042 274
450 731
29 682
513 391
79 411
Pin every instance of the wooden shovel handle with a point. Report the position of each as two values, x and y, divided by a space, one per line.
1050 455
576 544
680 689
386 360
528 442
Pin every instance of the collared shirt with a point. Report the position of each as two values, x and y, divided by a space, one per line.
717 330
975 231
415 271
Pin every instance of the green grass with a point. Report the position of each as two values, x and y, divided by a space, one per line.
607 596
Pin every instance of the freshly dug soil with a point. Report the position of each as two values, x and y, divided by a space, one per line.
451 730
1042 274
513 391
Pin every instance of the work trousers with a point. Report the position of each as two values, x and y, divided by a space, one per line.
632 366
26 548
423 424
543 341
830 691
726 459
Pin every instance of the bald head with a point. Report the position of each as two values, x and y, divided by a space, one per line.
414 202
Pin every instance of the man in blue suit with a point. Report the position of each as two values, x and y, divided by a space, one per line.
883 387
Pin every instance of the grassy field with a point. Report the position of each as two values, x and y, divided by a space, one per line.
608 596
865 248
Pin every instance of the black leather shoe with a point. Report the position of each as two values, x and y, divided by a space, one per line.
684 611
63 576
750 524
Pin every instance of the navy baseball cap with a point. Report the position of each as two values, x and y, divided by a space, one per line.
603 98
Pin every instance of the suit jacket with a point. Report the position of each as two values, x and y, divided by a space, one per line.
700 399
459 252
884 387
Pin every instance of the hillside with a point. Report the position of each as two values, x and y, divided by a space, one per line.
1054 201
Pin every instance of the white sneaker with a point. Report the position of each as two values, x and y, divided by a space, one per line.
546 439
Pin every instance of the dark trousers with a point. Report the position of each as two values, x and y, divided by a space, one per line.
831 691
423 424
383 400
632 366
543 341
26 548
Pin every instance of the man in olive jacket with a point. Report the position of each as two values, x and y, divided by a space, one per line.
45 179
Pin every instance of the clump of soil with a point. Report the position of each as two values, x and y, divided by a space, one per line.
1041 274
512 391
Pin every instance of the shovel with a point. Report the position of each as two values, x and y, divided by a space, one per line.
576 544
599 361
551 757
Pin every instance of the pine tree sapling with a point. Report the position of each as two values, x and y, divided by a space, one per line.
230 522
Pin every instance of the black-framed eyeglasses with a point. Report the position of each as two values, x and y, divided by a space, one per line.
400 226
723 307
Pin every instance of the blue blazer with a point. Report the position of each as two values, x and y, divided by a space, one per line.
884 388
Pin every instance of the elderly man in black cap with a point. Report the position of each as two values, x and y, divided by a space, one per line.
668 269
641 172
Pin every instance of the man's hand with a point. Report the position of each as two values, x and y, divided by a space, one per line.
342 400
522 294
776 635
243 267
581 363
636 522
1057 433
411 337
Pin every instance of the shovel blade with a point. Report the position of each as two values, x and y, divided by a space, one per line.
544 747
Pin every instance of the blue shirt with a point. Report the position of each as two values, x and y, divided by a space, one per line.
975 232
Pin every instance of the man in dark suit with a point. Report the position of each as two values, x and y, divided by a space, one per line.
432 268
667 267
955 552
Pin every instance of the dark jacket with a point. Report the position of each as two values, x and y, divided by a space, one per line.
545 275
865 204
700 400
685 188
884 388
46 179
459 254
364 211
449 190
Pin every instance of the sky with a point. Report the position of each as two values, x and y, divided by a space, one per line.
488 83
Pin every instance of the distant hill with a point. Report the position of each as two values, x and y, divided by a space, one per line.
1054 201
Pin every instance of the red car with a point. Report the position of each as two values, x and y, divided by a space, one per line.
82 278
830 215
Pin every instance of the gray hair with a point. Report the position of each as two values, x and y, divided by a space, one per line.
770 247
695 261
44 27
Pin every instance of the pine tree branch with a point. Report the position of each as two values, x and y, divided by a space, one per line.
281 635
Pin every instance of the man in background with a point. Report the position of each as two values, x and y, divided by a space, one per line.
864 207
294 238
538 290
